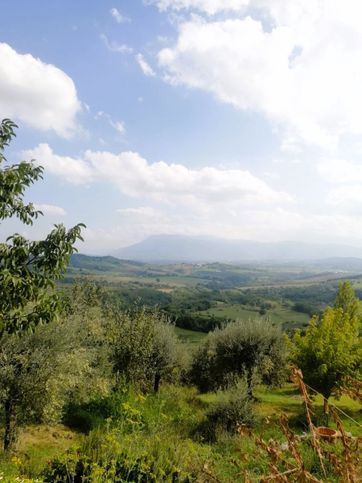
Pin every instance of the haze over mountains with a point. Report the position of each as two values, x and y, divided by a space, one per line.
173 248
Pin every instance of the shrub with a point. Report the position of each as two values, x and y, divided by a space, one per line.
232 408
107 457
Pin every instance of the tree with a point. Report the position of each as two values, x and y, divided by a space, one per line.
243 348
41 369
330 351
347 300
28 269
165 352
144 347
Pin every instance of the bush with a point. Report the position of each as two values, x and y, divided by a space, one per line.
106 456
232 408
87 416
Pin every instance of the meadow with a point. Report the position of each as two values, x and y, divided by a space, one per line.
167 427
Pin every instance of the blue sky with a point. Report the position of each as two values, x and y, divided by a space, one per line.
231 118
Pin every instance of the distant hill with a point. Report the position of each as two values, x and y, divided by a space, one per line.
175 248
339 263
102 264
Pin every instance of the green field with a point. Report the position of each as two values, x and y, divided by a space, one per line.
279 314
191 337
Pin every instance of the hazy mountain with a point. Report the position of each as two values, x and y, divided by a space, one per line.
172 248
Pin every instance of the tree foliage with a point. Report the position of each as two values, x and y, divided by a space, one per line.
244 348
28 269
41 369
330 351
144 347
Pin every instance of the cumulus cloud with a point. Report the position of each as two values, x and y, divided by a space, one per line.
176 199
300 66
75 171
176 184
211 7
38 94
51 210
145 67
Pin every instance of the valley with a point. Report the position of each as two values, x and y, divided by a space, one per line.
202 296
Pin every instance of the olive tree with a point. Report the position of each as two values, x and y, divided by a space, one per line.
41 369
144 347
247 349
28 269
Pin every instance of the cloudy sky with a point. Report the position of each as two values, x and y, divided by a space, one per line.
230 118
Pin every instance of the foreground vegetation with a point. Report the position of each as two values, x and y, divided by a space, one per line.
164 434
109 421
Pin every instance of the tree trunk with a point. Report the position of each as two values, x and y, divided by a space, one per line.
325 406
249 380
156 385
326 410
10 424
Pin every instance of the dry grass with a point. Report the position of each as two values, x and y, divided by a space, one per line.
287 464
38 444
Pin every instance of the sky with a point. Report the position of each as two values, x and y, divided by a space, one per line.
237 119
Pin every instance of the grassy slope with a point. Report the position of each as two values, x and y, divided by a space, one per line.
170 418
35 447
191 337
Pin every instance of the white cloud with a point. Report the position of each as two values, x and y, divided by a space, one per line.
141 211
51 210
38 94
211 7
346 198
301 67
200 189
75 171
119 126
113 46
346 180
118 17
340 171
145 67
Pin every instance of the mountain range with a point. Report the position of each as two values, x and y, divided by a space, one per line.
177 248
